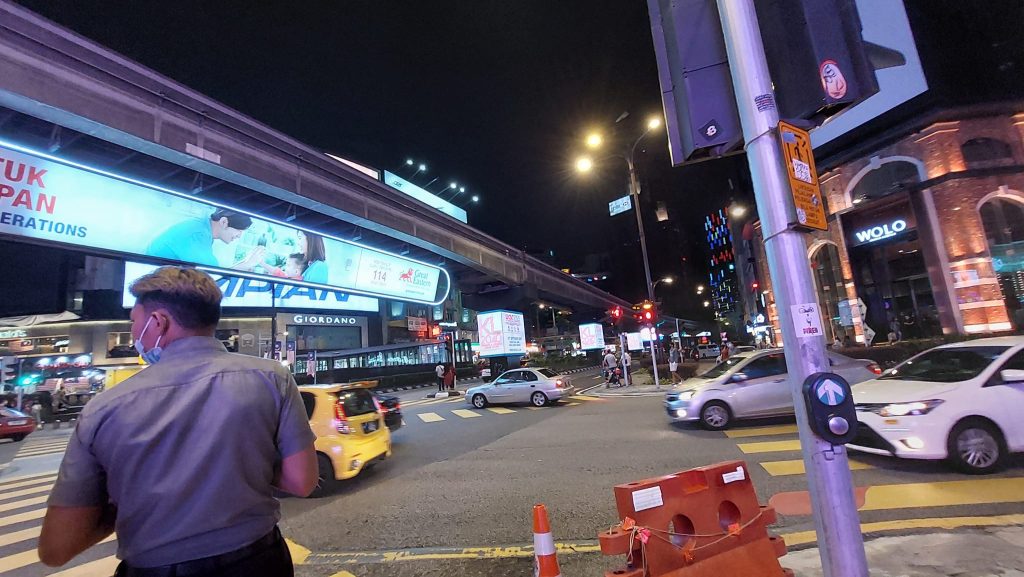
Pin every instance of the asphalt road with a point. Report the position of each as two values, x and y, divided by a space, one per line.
456 497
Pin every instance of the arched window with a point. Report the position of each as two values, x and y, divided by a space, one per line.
888 178
828 279
982 150
1003 219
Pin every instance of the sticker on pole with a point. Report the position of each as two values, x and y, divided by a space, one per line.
647 499
807 321
830 392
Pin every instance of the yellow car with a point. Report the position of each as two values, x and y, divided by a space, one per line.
349 427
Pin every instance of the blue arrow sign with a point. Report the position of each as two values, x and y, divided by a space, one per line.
830 393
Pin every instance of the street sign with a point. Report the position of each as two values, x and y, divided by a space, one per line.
803 177
807 321
830 393
619 205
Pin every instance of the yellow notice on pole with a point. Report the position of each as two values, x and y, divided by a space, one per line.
803 177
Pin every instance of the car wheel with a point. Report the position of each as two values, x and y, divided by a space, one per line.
479 401
715 416
976 447
18 437
325 475
538 399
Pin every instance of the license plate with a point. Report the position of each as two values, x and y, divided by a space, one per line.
370 427
18 422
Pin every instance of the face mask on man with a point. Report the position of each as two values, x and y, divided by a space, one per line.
152 356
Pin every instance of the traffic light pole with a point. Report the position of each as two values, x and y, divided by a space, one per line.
841 544
634 190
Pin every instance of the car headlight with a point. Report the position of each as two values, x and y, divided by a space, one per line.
686 395
909 409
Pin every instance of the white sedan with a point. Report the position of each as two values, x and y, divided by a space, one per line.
537 386
960 402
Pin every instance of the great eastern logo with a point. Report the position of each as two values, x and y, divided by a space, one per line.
415 277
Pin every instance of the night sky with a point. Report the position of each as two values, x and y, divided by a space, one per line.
494 95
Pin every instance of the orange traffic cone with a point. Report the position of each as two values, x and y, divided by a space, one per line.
545 562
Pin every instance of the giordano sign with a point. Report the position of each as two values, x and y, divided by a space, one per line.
324 320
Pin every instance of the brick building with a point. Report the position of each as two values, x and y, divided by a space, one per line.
926 230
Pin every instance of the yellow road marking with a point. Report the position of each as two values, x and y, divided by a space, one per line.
796 467
769 446
944 493
761 431
26 482
500 410
18 536
413 403
24 455
585 398
24 503
19 560
299 553
343 574
30 491
466 414
430 417
104 566
22 517
805 537
573 404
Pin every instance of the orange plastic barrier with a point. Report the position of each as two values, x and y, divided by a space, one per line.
701 522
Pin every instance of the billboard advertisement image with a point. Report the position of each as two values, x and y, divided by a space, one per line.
261 293
591 336
501 333
50 199
633 342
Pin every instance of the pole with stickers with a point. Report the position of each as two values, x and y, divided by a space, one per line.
786 189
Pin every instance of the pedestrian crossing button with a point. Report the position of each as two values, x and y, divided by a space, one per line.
838 425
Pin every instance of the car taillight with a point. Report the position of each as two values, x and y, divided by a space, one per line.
874 368
559 384
341 419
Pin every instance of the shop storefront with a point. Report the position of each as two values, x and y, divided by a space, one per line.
926 235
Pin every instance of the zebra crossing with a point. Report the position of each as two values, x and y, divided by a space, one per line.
465 413
776 450
22 507
43 446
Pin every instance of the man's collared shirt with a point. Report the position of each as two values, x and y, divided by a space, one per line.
190 240
186 450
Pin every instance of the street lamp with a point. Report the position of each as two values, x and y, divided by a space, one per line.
476 198
666 280
585 164
707 304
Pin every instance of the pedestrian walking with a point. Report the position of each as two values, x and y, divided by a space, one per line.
608 364
674 355
439 371
183 458
449 377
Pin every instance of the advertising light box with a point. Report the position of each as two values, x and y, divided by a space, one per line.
634 342
591 336
260 293
423 195
502 333
47 198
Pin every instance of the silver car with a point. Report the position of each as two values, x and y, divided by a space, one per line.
537 386
749 385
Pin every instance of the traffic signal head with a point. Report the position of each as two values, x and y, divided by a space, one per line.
616 314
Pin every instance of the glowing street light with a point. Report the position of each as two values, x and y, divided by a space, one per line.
738 210
707 304
594 140
653 123
584 164
476 198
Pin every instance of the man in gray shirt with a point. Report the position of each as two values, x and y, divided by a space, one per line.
183 458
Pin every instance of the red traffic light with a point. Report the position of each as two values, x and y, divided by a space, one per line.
616 313
754 285
648 315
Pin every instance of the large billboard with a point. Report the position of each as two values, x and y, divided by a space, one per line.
47 198
425 196
591 336
261 293
893 53
501 333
